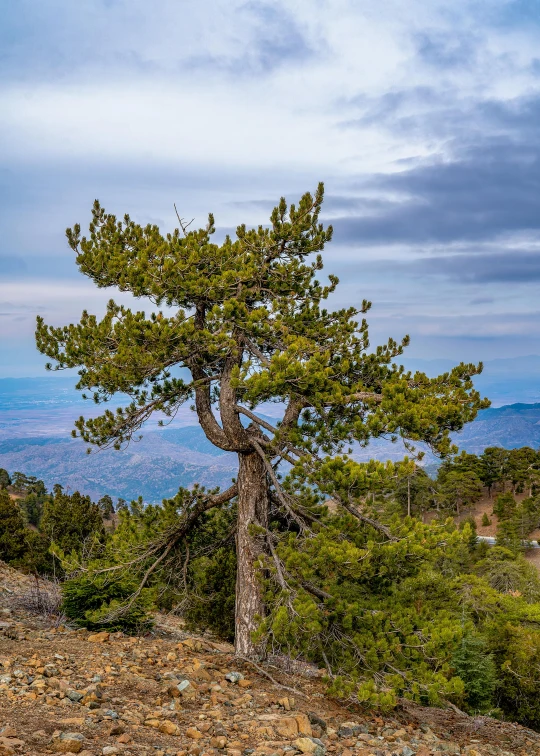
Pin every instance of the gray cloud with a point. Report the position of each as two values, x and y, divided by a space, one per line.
502 267
447 50
488 189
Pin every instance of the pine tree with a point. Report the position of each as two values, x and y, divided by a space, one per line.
476 668
5 479
12 529
106 506
247 319
70 521
461 488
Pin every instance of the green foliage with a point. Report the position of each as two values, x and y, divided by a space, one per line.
98 601
493 466
505 506
509 537
415 491
460 488
376 626
485 520
5 479
106 506
210 581
12 529
71 521
508 573
476 668
516 649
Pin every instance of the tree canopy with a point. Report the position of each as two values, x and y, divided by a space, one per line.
247 320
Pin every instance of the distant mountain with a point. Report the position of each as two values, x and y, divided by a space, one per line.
154 467
510 427
37 415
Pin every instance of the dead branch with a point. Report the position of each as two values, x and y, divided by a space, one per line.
279 492
272 679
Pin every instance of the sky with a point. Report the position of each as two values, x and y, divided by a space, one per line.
422 118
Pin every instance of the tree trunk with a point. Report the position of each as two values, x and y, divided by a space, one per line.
252 509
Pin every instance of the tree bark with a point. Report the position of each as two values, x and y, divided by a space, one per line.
252 510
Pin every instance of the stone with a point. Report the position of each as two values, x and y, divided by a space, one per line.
304 725
310 746
193 732
218 741
124 738
167 727
407 751
234 677
287 727
315 719
102 637
67 742
349 730
74 695
187 690
110 750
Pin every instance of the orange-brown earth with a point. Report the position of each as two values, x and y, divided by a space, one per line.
170 694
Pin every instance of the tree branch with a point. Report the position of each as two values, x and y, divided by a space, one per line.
359 516
275 481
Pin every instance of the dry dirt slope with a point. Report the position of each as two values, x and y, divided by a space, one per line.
65 691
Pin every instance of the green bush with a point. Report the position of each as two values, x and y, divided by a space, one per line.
71 521
98 601
485 520
475 666
12 529
505 506
508 573
517 652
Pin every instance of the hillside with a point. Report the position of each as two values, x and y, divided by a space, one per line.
170 694
37 415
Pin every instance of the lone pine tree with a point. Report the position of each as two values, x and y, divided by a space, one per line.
246 318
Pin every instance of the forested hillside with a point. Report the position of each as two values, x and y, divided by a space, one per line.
164 458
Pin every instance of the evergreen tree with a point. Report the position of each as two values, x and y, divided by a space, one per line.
523 468
493 467
248 321
70 521
5 479
505 506
415 491
460 488
12 529
106 506
475 666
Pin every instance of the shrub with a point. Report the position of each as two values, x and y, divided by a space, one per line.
517 651
12 529
508 573
71 520
485 520
98 601
505 506
475 666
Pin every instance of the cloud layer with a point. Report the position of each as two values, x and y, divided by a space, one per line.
422 118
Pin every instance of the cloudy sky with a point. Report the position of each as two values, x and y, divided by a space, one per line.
422 118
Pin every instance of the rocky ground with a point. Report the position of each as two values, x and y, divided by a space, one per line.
170 694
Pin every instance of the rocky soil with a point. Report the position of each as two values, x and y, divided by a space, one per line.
170 694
